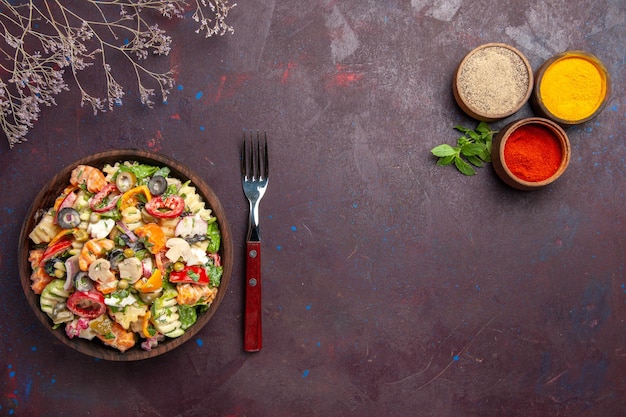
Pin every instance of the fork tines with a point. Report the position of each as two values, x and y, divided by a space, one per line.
254 161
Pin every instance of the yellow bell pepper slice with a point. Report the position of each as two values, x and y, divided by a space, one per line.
154 235
62 234
153 283
145 327
131 197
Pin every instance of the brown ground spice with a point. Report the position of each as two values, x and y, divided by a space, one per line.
493 80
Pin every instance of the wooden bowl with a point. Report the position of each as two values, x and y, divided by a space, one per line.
501 141
592 74
492 82
45 199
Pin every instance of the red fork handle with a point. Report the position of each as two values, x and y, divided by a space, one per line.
252 334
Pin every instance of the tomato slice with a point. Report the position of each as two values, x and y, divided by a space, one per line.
67 199
60 202
56 249
169 208
105 200
88 304
193 274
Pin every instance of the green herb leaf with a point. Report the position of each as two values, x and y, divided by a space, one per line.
473 148
163 171
187 315
191 274
462 129
446 160
463 140
474 160
444 150
483 128
214 236
215 275
475 136
141 171
464 167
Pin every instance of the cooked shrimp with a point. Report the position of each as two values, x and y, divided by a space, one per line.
92 250
39 277
190 294
92 177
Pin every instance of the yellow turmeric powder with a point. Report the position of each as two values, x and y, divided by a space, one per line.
573 87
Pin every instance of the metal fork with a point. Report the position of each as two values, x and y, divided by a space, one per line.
254 177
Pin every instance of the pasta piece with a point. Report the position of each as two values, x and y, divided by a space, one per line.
202 245
193 201
45 229
110 171
150 297
131 216
166 318
82 201
169 227
174 182
77 246
53 302
128 315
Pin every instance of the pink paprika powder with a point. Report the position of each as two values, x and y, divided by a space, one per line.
533 153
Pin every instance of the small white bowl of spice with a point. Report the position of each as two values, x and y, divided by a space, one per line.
492 82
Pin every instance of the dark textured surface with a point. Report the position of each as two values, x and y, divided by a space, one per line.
391 286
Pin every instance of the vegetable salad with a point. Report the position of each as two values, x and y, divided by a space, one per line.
127 255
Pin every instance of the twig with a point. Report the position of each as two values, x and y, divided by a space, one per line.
43 40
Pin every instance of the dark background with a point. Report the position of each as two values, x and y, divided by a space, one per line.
391 286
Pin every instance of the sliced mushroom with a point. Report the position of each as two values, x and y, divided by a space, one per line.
100 271
131 269
177 248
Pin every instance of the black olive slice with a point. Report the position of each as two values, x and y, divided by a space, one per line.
157 185
68 218
115 257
